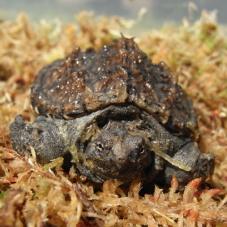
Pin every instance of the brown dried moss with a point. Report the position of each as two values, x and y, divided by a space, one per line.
33 195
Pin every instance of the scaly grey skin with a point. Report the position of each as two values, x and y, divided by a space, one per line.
200 163
119 142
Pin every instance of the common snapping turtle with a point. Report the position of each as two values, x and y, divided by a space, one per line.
118 114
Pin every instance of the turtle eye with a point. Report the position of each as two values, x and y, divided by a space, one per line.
142 151
99 146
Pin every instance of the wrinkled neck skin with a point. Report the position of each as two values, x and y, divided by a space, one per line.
117 142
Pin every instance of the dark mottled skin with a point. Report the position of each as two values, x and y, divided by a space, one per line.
119 115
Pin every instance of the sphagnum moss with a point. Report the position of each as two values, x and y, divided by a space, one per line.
33 195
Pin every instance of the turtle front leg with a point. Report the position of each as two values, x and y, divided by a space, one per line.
43 135
202 165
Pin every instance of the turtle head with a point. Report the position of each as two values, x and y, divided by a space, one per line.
116 152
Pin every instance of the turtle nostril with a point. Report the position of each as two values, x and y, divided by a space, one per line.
141 150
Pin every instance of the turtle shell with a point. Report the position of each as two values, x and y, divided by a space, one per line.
118 74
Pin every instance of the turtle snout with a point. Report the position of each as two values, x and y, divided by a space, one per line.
130 151
135 149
